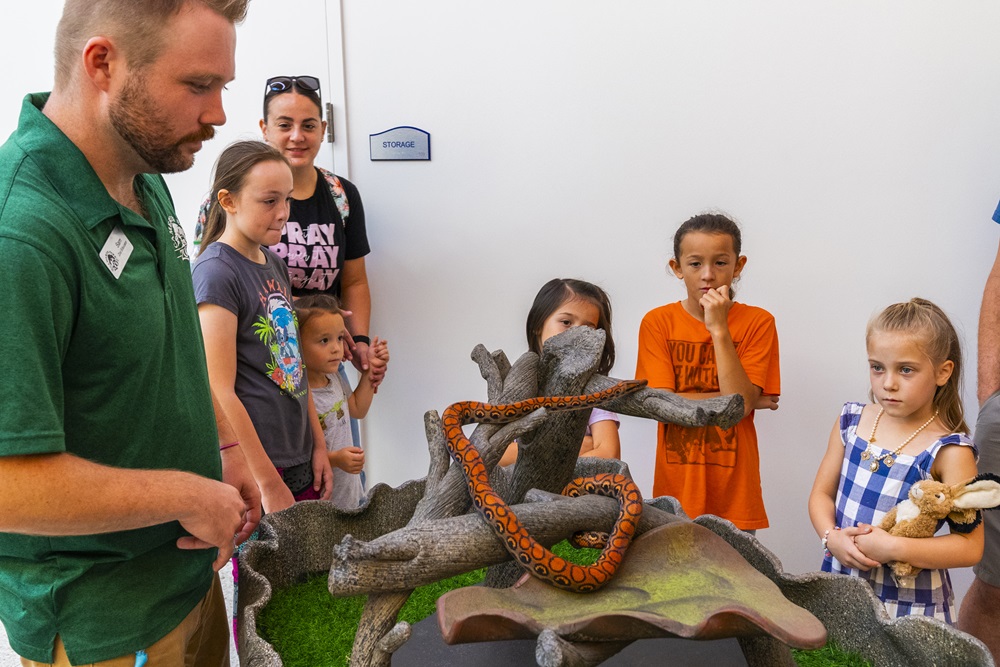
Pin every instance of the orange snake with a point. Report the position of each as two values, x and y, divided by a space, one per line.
526 550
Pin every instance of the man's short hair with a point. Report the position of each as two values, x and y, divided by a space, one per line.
136 25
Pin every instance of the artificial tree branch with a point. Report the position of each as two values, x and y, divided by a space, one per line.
435 550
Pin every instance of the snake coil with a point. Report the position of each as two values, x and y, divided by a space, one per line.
525 549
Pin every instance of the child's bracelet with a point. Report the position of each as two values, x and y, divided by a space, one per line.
825 539
232 444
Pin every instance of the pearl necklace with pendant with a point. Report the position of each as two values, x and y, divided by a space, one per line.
890 457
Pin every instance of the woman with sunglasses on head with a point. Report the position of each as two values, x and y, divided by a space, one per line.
324 242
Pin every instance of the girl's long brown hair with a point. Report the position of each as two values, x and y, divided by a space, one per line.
231 169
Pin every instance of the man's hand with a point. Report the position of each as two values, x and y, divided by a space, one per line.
213 515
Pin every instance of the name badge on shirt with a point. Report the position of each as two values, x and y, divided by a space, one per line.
116 251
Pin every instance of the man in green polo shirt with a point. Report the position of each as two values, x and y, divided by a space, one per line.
112 508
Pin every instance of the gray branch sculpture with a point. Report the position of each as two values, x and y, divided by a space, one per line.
443 538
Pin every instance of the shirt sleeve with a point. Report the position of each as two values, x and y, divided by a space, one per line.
39 312
758 353
654 362
215 282
599 415
355 233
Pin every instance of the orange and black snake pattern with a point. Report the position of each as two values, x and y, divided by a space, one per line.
537 559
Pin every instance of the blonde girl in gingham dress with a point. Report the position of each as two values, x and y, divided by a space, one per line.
914 430
864 497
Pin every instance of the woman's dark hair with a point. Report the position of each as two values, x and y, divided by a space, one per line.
555 293
313 96
314 304
231 169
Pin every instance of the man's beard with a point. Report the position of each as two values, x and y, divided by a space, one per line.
143 126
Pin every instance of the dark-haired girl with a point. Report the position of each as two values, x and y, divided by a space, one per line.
563 303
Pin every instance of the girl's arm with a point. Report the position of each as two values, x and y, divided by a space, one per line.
360 399
822 508
322 474
510 455
733 378
348 459
954 464
603 440
218 327
236 472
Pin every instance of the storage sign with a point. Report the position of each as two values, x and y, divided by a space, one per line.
401 143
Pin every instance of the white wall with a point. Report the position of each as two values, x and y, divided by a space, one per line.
856 142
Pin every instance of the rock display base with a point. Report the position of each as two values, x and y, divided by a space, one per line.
298 543
426 530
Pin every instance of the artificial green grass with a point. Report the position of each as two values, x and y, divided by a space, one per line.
308 627
830 655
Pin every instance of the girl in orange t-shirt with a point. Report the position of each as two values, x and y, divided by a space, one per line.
703 346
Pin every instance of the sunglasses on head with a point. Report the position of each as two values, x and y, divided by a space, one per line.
283 84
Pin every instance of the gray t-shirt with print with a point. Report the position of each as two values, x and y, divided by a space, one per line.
270 380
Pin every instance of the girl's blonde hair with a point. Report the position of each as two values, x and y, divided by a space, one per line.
939 341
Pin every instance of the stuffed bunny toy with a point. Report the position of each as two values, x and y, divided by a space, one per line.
930 501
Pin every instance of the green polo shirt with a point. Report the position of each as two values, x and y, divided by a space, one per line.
101 356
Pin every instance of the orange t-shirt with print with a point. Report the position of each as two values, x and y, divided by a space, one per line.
708 469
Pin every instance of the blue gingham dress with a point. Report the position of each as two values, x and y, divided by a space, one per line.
864 496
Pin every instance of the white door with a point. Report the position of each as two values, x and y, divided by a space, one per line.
279 37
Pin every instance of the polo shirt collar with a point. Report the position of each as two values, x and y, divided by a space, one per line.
66 167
